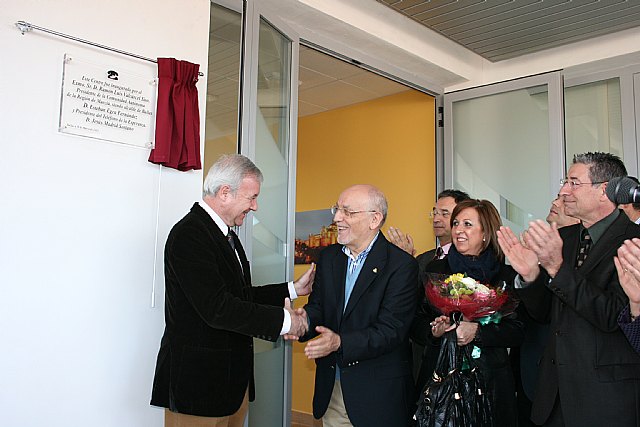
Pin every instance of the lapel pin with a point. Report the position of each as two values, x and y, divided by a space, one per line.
375 270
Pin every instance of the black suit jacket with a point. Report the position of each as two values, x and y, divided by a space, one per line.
587 361
205 362
425 259
374 357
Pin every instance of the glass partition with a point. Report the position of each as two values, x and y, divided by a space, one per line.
270 223
593 118
503 146
498 140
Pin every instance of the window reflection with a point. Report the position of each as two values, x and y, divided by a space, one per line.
274 64
223 84
593 118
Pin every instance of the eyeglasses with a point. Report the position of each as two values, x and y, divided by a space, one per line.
443 213
346 212
574 183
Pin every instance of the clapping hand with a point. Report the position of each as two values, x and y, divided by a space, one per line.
522 258
628 266
401 240
545 241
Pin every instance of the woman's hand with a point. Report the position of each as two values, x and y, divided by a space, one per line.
440 325
466 332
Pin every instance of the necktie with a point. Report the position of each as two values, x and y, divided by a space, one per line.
230 239
231 236
583 248
439 252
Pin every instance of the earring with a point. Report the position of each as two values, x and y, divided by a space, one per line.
484 239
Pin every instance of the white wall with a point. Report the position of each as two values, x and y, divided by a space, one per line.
78 335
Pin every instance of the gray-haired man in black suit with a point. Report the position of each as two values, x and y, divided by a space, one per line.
204 372
589 375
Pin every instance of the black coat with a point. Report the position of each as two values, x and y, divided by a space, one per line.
374 357
495 339
205 362
587 361
424 260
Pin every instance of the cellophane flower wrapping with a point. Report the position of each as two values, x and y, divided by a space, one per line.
461 293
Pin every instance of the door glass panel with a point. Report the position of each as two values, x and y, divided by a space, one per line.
223 84
593 118
269 235
501 152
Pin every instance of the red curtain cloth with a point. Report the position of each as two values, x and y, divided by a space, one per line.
177 142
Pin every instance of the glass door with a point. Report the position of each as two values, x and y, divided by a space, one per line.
223 82
504 142
269 107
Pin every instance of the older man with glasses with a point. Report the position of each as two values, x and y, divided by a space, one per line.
588 375
359 313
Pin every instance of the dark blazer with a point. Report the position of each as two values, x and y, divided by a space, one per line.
205 362
417 348
374 357
423 260
587 361
493 343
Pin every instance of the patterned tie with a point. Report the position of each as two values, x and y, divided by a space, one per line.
230 239
583 248
439 252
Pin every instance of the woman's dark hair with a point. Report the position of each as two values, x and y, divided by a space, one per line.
489 221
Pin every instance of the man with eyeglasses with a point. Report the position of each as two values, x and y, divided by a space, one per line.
588 375
359 312
441 217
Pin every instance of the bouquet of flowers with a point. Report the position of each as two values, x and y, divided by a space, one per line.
461 293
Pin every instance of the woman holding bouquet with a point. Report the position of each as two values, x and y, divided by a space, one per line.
476 254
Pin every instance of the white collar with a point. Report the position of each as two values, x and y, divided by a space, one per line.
445 248
215 217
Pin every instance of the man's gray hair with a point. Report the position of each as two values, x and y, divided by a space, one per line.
602 166
230 169
378 203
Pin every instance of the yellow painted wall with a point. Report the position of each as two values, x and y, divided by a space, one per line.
388 142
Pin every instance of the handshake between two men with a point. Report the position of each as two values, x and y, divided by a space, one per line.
327 340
